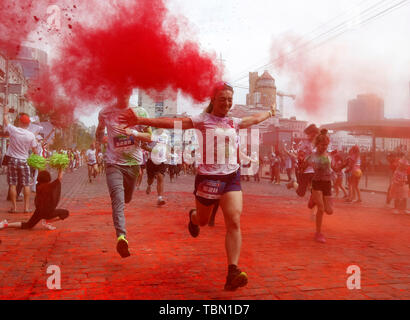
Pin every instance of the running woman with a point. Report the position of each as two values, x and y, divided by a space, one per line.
305 172
218 182
305 149
91 155
321 181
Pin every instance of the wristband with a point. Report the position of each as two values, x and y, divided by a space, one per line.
270 114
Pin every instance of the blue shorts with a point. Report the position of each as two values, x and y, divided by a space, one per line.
209 189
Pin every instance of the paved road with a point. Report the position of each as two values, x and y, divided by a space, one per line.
279 254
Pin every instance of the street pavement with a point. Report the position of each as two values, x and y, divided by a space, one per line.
278 253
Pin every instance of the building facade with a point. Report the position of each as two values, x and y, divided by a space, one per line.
158 104
262 90
365 106
274 133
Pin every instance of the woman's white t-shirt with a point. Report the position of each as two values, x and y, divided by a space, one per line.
217 158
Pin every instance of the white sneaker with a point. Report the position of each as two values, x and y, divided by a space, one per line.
47 225
3 224
160 201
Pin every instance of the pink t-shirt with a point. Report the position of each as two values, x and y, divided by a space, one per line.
217 158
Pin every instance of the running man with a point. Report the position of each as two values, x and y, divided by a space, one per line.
92 162
122 159
215 182
100 162
156 163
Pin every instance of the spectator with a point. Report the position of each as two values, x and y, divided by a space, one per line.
21 141
354 174
275 168
399 189
289 166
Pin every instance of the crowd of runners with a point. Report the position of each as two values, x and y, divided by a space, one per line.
128 145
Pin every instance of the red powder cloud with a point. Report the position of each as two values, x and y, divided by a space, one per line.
311 75
109 47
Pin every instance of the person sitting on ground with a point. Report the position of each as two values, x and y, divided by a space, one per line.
46 201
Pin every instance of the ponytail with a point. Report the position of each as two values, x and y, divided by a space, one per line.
322 137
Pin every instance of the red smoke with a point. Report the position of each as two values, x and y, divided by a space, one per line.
133 48
44 94
124 46
312 75
107 47
15 24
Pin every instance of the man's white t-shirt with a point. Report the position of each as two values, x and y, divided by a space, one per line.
21 141
159 152
91 158
121 149
173 159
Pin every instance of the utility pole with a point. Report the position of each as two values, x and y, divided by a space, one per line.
6 99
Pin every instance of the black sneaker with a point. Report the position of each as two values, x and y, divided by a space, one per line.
236 279
122 247
193 229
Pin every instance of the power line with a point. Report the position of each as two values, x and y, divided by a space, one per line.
245 72
362 23
342 30
340 26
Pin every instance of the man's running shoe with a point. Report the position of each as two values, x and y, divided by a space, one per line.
193 229
122 247
160 201
235 280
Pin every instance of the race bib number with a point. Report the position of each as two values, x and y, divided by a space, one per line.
123 141
210 189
